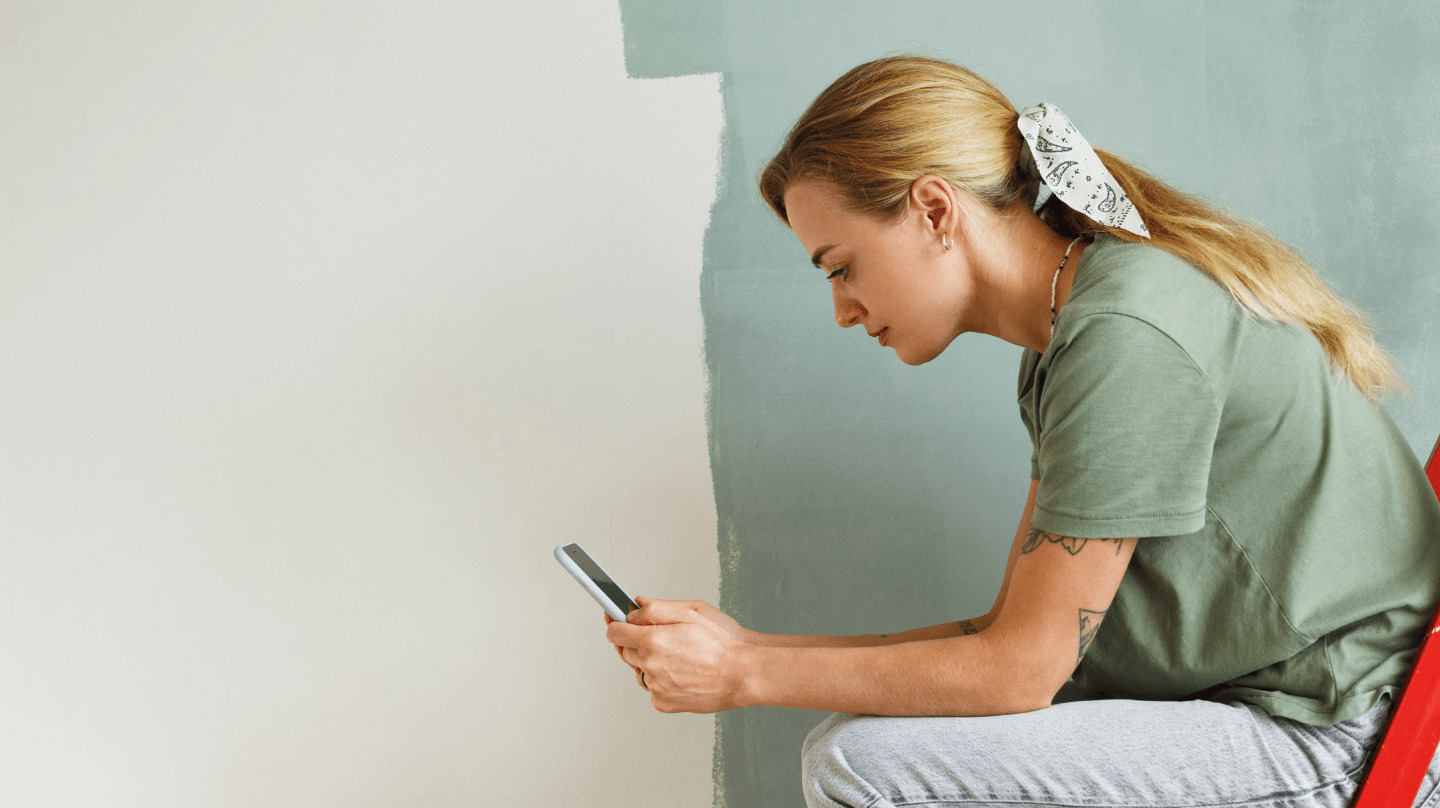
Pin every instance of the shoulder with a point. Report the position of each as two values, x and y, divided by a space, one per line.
1142 281
1138 292
1129 357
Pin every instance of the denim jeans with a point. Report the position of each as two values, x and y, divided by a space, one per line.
1102 753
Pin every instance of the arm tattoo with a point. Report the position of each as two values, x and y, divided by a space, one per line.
1072 545
967 628
1089 624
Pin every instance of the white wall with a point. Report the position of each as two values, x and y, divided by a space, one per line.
321 323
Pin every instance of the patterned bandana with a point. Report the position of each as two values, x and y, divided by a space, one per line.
1073 171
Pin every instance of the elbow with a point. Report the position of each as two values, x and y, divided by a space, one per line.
1049 676
1035 698
1034 676
1018 696
1049 685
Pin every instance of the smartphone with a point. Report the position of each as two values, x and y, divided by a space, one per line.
611 597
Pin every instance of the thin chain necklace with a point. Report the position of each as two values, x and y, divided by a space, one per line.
1055 280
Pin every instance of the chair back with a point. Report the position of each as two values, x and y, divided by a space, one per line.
1409 742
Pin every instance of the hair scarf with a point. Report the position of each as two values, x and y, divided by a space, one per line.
1071 169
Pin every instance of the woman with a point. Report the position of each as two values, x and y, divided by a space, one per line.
1227 556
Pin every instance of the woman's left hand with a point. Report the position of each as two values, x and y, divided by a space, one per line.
692 662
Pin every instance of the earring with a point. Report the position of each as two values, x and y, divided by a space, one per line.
945 240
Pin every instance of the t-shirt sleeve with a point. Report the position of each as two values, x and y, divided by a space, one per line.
1126 426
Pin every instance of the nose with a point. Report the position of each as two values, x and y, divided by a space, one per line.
848 310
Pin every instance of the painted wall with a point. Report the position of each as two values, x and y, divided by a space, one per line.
856 494
321 323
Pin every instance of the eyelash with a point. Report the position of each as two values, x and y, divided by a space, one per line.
842 270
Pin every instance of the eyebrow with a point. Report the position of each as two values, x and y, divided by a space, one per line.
820 253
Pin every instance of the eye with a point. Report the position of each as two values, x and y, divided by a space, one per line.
842 271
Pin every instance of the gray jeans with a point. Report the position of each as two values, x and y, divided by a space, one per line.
1109 753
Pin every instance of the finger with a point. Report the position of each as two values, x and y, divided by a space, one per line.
635 658
660 612
608 621
642 600
637 616
626 634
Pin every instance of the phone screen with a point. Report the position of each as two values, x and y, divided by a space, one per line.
592 570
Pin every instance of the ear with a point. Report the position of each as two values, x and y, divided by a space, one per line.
938 205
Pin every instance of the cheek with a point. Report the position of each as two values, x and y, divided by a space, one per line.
950 297
932 320
929 307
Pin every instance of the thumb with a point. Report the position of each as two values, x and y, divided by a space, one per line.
640 602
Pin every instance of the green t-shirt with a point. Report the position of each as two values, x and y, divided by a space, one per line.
1290 550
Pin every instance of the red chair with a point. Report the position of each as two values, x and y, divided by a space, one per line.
1408 744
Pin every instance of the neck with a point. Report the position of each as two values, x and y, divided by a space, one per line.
1014 273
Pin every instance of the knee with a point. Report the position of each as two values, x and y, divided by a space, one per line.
820 742
829 758
881 761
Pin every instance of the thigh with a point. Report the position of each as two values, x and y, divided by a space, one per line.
1107 752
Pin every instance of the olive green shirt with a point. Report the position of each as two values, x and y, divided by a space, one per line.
1290 544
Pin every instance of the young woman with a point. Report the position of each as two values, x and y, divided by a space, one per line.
1228 553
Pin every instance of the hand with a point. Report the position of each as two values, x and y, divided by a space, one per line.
691 653
720 618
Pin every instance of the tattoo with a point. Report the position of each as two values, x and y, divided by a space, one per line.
1089 624
967 628
883 636
1072 545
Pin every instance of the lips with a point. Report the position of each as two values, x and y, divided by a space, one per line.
883 335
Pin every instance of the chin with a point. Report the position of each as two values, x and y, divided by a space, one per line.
912 358
918 356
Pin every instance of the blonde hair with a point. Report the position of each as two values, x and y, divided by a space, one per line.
884 124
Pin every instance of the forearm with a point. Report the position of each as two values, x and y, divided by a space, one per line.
957 628
977 674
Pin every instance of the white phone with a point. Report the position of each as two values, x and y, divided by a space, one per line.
611 597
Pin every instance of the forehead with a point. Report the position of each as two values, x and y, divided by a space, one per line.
811 196
818 218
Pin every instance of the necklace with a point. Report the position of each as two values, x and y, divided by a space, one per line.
1055 280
